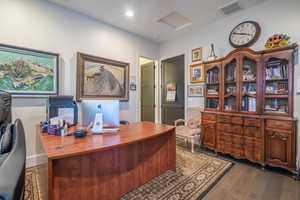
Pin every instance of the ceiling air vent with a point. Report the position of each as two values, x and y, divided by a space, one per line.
230 8
175 21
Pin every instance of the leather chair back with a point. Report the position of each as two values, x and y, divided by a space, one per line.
5 107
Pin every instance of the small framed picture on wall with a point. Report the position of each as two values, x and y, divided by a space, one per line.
197 73
195 90
197 54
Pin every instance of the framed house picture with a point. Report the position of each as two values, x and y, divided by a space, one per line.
197 73
196 54
101 78
27 72
195 90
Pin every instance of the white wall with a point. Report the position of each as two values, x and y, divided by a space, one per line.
44 26
274 16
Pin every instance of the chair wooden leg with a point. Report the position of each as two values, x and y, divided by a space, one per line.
186 142
192 144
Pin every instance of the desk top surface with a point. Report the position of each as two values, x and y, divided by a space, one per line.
58 147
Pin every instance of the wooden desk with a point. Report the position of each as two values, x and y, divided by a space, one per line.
107 166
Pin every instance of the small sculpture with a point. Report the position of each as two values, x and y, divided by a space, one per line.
212 56
277 40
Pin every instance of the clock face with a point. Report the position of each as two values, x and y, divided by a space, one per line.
244 34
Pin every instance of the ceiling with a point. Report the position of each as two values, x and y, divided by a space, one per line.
148 12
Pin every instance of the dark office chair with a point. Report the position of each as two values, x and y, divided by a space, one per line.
12 153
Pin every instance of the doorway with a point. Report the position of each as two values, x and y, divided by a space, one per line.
148 89
173 100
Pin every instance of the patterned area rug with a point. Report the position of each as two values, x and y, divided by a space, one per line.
196 174
32 191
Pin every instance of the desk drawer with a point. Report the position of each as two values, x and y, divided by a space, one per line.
286 125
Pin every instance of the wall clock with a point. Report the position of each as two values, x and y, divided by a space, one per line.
245 34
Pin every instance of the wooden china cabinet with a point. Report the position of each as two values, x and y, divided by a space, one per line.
249 106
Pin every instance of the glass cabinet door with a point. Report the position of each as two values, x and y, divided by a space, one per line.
230 86
249 77
276 86
212 90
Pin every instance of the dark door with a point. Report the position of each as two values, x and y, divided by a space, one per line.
148 92
172 74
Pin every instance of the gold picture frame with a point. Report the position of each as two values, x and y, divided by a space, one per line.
197 54
100 78
197 73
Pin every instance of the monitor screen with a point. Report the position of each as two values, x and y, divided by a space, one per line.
109 108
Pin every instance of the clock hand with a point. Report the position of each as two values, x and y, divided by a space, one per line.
242 34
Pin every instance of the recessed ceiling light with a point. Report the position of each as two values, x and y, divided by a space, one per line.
129 13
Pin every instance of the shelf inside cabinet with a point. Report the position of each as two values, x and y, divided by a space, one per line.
248 94
249 81
276 96
230 94
277 79
212 83
212 96
230 82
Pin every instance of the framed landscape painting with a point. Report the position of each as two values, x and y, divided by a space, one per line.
28 72
195 90
197 73
101 78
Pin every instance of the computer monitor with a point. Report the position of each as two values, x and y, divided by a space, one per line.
110 110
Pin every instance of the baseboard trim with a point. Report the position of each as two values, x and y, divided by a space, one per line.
34 160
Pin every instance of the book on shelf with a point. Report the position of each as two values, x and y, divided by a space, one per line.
249 88
276 106
249 104
276 71
213 103
277 88
212 77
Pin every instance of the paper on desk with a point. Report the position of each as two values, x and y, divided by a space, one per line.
66 114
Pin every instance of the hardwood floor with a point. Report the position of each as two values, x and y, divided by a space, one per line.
244 181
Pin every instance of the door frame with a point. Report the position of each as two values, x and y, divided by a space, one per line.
186 79
139 84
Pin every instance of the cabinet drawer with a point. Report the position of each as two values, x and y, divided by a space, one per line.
237 129
279 124
224 127
237 120
237 140
224 118
208 124
225 137
209 116
258 146
252 132
252 122
249 142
